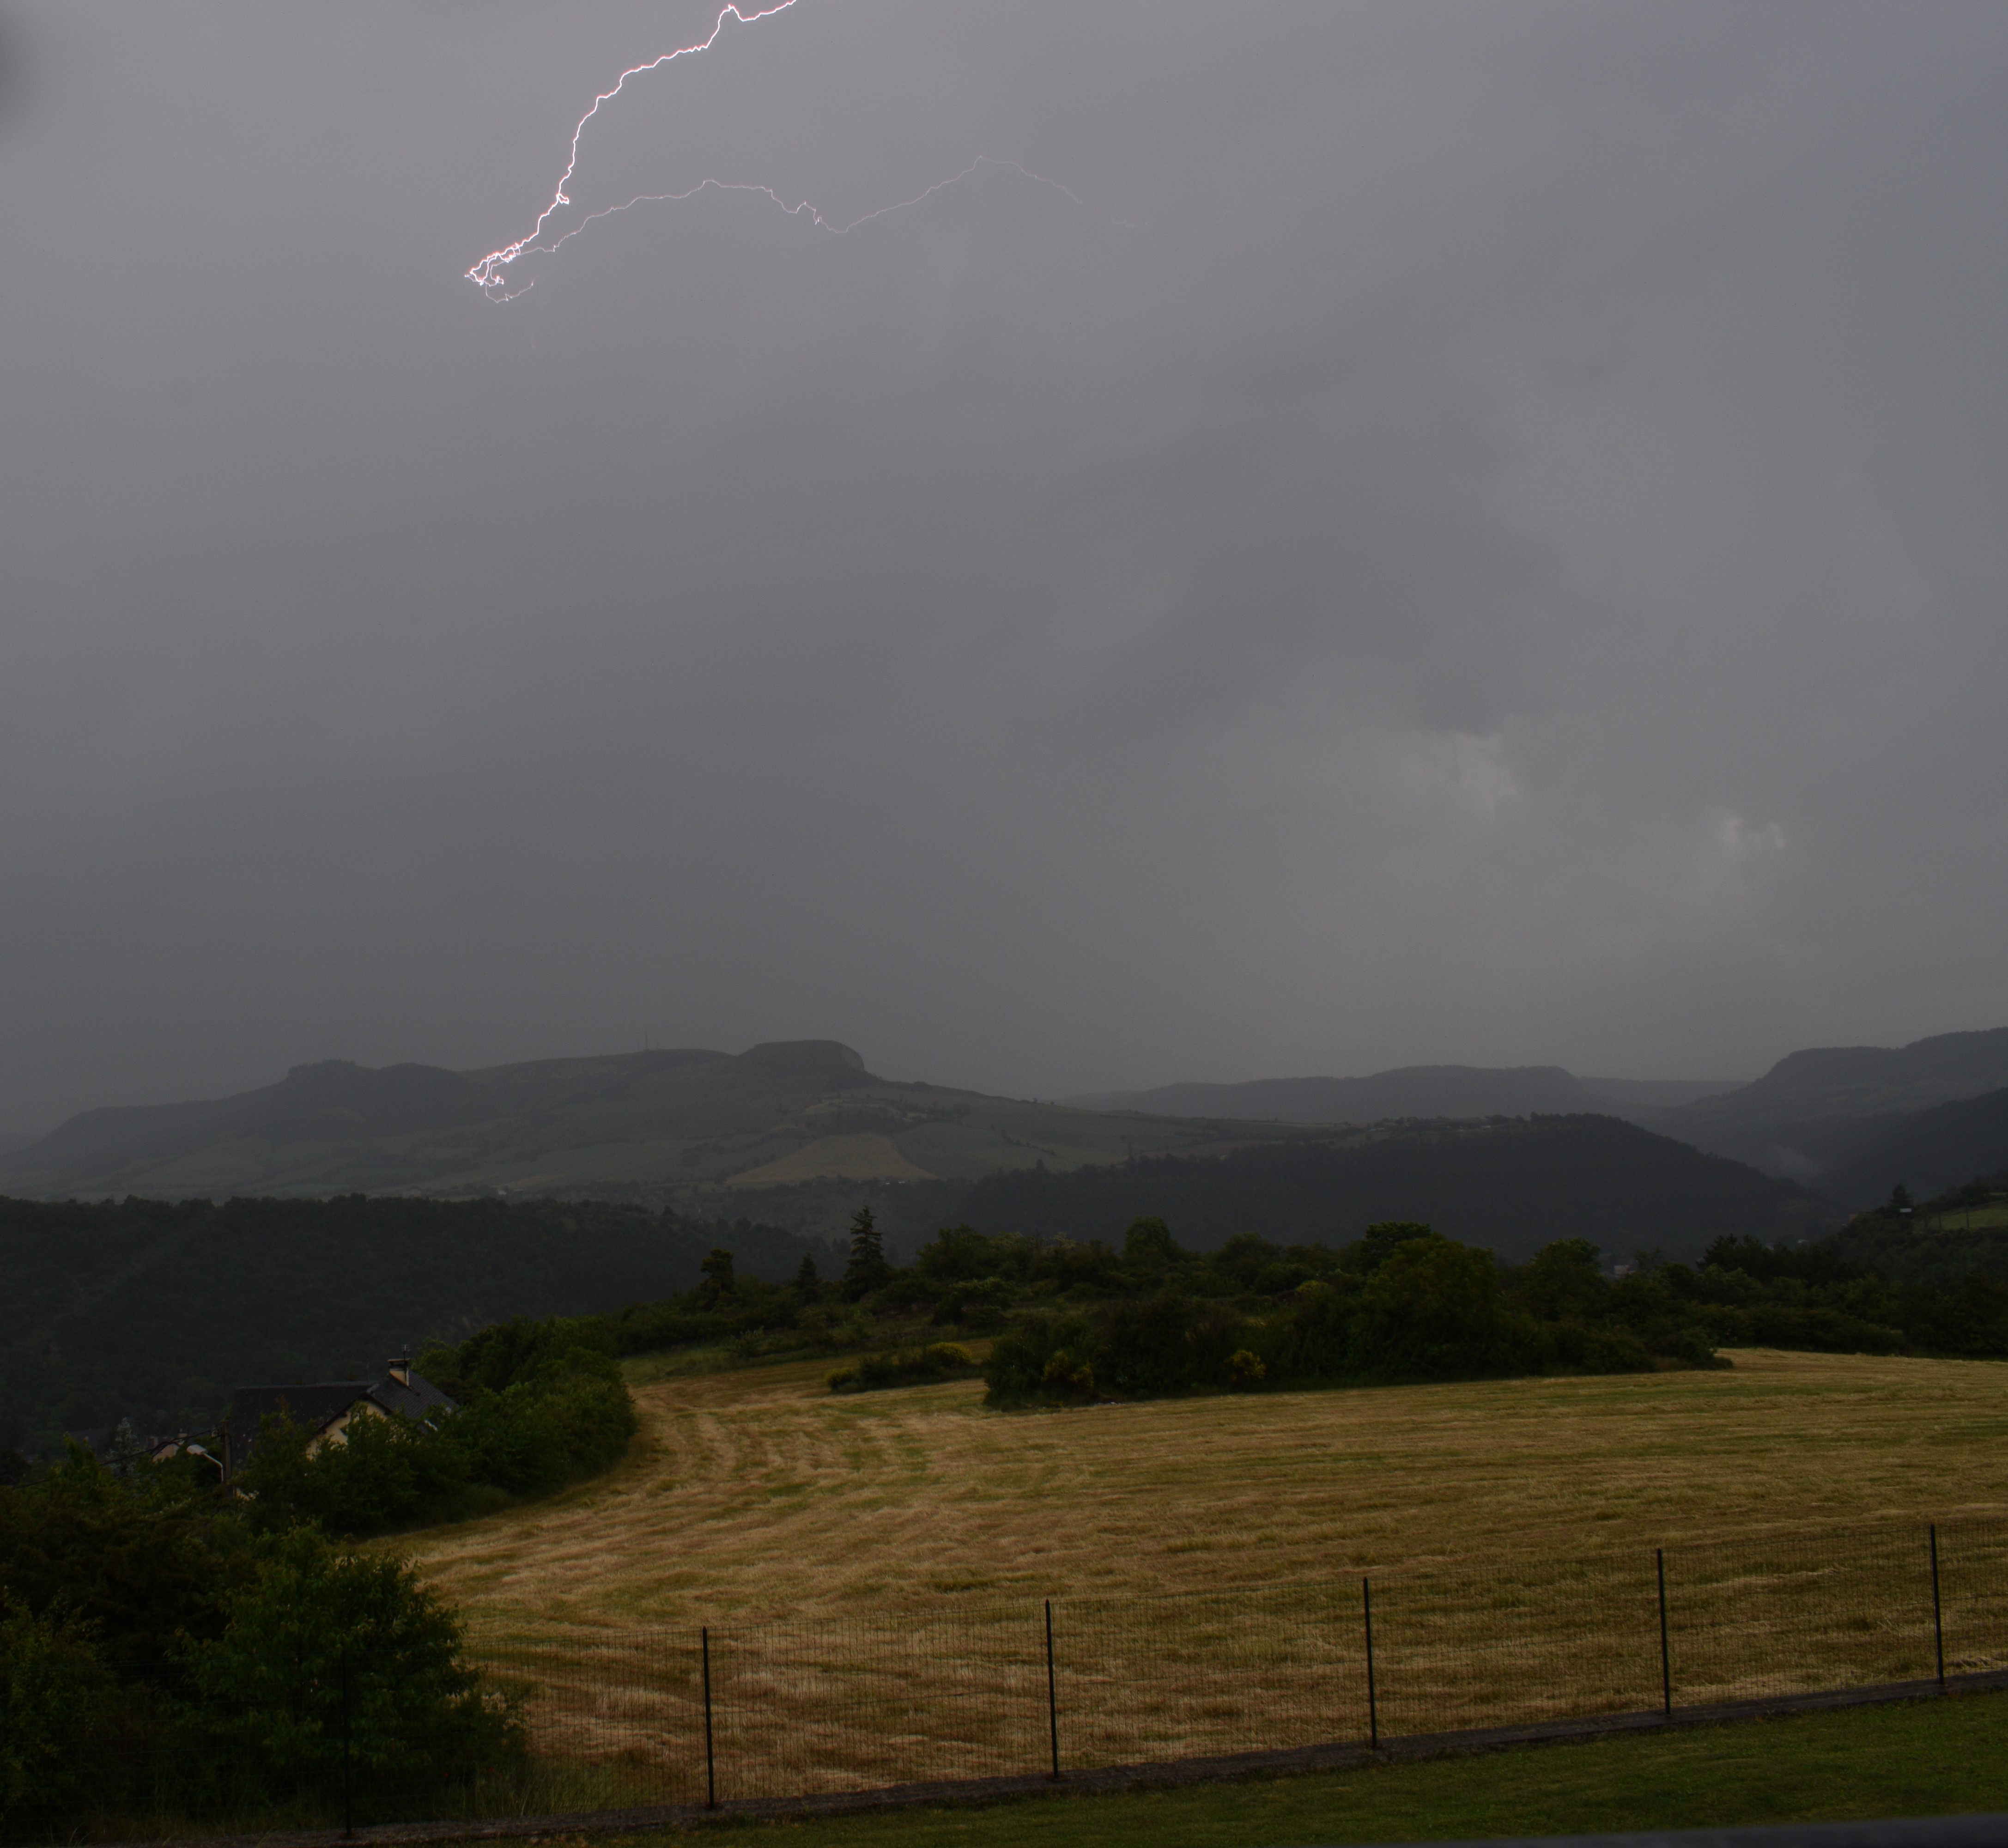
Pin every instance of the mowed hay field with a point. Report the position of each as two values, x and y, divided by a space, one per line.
873 1568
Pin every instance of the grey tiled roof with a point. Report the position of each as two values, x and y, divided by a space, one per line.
318 1404
419 1399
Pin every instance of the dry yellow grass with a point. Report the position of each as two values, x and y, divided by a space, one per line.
758 1493
872 1568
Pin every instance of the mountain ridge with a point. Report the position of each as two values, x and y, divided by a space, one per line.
1817 1109
661 1125
1813 1113
1413 1091
698 1127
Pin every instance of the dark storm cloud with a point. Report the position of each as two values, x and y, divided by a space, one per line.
1478 540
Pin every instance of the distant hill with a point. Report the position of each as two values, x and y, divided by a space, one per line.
1515 1186
11 1144
156 1311
1929 1153
1814 1111
1412 1091
691 1128
1645 1100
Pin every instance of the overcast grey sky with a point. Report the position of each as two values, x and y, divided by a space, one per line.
1482 539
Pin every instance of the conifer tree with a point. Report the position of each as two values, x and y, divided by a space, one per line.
868 1269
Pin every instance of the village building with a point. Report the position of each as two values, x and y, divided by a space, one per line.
328 1408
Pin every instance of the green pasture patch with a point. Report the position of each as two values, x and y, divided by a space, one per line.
1915 1758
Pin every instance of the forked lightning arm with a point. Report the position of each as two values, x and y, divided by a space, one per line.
491 275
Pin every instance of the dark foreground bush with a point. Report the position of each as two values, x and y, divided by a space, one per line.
325 1646
905 1366
159 1662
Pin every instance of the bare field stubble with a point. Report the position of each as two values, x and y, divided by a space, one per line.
872 1569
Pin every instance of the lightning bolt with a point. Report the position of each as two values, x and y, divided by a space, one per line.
492 274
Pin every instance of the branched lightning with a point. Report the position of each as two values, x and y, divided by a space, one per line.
492 274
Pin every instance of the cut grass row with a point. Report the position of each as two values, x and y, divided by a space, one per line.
1918 1758
755 1495
871 1570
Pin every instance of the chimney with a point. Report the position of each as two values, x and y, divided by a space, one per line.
401 1370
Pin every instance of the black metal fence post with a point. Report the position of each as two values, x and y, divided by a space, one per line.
347 1802
1052 1693
1666 1654
1938 1609
1372 1702
710 1761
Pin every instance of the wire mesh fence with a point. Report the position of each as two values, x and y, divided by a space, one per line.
954 1689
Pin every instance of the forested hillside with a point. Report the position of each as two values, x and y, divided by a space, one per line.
156 1311
1938 1149
1416 1091
1814 1111
1513 1185
1961 1232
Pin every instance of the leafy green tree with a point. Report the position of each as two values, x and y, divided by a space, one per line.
867 1270
534 1437
323 1643
1043 1356
961 1254
1431 1310
1378 1243
507 1352
1564 1282
808 1282
1315 1341
140 1563
55 1696
1164 1343
1147 1244
1244 1258
387 1472
717 1269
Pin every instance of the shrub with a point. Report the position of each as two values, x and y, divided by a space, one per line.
387 1472
1021 1357
1431 1310
153 1653
1067 1376
322 1640
979 1304
1165 1344
136 1564
905 1366
54 1693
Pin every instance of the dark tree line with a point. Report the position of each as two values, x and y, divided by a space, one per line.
1402 1303
158 1652
157 1311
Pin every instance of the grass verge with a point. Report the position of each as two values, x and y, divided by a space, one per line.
1919 1758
